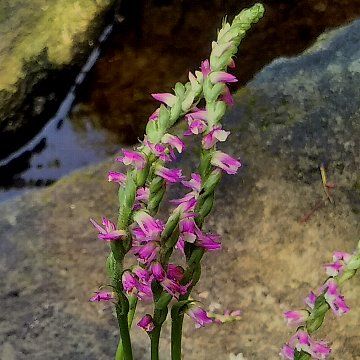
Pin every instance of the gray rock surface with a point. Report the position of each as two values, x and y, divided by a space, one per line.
277 225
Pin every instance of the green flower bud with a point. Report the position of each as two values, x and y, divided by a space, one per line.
205 165
170 225
141 176
164 117
188 101
155 200
152 131
211 182
206 207
175 112
156 184
219 49
215 112
216 91
207 89
127 199
354 263
199 76
179 89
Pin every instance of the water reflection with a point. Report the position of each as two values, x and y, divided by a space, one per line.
66 143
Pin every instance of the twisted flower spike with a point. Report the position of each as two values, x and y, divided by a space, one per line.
301 346
153 277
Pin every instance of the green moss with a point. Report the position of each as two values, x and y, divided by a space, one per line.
28 28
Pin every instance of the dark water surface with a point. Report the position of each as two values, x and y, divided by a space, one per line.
153 45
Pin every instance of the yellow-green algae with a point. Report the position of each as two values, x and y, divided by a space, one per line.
27 27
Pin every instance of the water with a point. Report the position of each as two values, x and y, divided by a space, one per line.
61 146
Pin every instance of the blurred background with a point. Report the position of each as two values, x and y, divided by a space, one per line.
76 77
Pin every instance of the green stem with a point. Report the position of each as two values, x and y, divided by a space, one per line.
176 336
132 303
155 339
119 351
122 311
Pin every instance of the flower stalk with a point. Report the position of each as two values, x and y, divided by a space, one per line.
301 345
154 277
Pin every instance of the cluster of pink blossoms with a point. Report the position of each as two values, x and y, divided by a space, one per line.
329 294
146 231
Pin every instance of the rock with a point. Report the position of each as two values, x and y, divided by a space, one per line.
8 352
278 226
39 42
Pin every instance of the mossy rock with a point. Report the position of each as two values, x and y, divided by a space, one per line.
41 40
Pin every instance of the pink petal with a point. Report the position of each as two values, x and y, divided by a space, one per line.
166 98
225 162
170 175
102 296
205 68
223 77
146 323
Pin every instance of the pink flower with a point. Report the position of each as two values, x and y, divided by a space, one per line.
231 64
158 271
227 98
194 183
102 296
141 273
196 122
215 135
160 150
334 269
108 232
205 68
188 228
228 316
310 300
287 352
296 318
180 245
144 292
340 255
208 241
173 141
151 228
147 323
341 259
148 252
117 177
225 162
335 300
169 281
186 206
170 175
199 316
222 76
173 287
137 283
155 115
175 272
142 194
166 98
320 350
133 158
301 341
129 282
